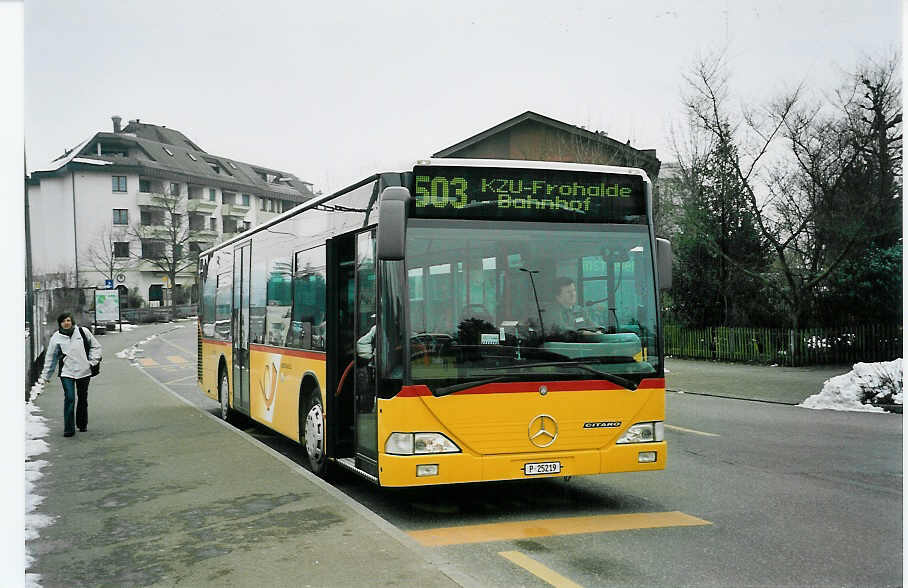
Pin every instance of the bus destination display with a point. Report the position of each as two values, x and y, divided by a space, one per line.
526 194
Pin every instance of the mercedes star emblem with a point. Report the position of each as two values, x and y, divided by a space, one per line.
543 430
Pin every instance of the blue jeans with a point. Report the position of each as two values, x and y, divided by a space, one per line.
72 388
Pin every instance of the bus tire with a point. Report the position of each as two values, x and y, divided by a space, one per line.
226 412
312 431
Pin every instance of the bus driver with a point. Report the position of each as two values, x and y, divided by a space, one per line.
565 315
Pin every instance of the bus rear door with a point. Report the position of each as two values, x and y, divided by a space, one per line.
241 286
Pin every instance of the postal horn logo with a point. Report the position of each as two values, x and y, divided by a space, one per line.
543 430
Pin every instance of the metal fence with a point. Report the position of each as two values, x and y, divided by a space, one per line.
791 347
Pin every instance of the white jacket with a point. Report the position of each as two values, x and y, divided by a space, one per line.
71 351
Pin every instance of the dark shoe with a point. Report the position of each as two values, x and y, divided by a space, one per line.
83 429
69 434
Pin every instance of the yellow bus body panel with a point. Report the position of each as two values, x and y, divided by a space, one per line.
274 386
493 432
212 352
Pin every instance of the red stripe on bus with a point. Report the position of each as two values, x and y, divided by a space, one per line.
516 387
291 352
215 342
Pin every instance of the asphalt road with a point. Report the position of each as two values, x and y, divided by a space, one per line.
754 494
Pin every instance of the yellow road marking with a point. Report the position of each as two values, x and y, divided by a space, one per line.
551 527
147 362
538 570
690 431
175 359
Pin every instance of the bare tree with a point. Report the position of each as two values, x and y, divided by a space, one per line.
164 236
794 173
104 256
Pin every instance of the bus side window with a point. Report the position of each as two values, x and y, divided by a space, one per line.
307 321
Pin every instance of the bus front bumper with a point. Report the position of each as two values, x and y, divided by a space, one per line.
457 468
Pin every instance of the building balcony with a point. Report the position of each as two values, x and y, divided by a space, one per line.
145 265
202 235
239 210
154 232
151 199
201 206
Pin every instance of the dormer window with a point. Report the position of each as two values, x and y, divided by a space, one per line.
191 156
168 151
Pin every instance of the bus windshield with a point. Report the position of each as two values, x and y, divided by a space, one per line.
508 301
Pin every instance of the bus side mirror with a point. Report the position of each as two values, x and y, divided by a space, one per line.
664 263
392 223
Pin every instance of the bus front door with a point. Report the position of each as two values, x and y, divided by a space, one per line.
241 285
365 406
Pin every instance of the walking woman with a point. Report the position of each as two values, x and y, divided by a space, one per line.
78 352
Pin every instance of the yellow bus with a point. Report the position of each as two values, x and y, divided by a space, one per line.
461 321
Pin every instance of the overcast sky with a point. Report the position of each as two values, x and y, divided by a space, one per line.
333 92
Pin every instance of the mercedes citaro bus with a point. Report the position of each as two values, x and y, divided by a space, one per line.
462 321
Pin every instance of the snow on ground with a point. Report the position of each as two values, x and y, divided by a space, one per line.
846 392
35 431
135 350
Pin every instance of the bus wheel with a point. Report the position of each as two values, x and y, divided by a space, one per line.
223 393
314 434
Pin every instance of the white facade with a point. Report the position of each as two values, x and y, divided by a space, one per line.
85 188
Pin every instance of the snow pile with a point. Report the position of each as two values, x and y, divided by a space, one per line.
35 431
131 353
859 389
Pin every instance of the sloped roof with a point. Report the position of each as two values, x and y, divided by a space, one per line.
163 151
551 122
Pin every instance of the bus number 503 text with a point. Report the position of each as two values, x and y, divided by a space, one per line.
441 192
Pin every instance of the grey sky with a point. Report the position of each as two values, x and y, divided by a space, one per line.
335 93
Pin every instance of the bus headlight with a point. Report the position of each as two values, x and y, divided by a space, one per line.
419 444
644 433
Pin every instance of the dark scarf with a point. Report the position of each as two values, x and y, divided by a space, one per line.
68 332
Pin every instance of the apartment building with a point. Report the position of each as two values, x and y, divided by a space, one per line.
126 205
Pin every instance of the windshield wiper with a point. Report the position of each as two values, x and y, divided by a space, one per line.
613 378
464 385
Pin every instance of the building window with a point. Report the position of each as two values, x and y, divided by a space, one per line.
228 197
263 204
119 183
191 156
270 205
230 225
213 223
120 216
178 252
176 220
121 249
247 225
152 249
174 189
145 186
196 222
245 199
169 152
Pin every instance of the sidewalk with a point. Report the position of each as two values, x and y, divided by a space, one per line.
157 492
786 385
